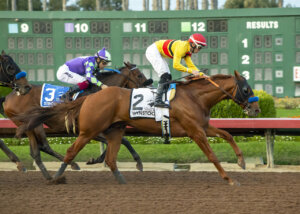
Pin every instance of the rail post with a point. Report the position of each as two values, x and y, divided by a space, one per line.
270 137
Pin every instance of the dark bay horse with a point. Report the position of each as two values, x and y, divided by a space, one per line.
189 116
26 96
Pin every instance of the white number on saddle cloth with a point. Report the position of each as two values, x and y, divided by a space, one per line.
51 94
141 103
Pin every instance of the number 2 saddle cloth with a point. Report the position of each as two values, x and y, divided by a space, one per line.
142 106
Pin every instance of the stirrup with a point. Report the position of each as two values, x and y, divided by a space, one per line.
161 104
67 96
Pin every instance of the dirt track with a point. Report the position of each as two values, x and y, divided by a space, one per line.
151 192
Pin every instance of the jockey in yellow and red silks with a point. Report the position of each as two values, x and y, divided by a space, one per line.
176 50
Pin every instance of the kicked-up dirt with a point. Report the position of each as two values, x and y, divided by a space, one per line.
151 192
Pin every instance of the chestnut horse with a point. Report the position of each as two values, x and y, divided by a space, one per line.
129 76
107 112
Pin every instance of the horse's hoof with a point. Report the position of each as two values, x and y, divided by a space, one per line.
242 163
90 161
139 166
119 177
75 166
122 182
59 180
234 183
21 167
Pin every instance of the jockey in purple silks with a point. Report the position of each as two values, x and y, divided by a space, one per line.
80 71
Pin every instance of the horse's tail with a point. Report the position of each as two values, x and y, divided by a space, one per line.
2 100
38 115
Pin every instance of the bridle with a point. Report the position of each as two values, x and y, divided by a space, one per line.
239 98
11 78
130 79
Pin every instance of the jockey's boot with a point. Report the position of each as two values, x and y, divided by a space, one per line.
68 95
74 89
161 89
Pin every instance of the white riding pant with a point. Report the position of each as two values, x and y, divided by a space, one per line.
65 75
159 64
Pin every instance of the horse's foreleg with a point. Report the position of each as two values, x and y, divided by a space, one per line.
114 142
200 138
125 142
45 147
135 155
215 132
36 155
101 158
12 156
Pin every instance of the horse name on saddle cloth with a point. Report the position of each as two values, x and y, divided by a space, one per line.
51 94
142 106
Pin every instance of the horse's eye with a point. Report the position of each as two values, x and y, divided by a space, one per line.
140 76
245 90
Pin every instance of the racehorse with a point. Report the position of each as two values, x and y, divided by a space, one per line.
128 76
189 116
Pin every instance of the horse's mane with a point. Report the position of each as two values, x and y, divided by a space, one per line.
202 80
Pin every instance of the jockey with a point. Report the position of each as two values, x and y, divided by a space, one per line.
81 71
176 50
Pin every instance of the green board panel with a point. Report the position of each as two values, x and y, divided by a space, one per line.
262 44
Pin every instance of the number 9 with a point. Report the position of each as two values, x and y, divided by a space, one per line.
24 28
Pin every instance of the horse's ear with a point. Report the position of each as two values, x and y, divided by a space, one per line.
128 64
3 53
237 75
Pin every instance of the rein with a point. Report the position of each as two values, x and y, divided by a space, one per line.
229 95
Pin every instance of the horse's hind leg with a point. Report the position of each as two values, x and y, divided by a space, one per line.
45 147
73 150
215 132
12 156
114 142
135 155
36 155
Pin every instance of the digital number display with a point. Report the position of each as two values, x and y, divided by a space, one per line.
42 27
217 26
100 27
158 27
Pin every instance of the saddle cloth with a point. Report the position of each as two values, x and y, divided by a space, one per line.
51 94
142 104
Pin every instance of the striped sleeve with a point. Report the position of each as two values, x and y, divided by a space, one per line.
89 69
